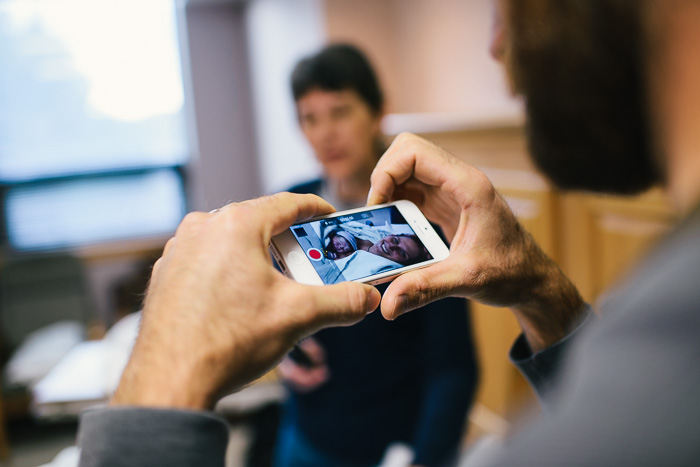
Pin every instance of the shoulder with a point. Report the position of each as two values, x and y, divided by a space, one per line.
313 186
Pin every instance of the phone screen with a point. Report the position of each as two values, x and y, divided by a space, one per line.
359 245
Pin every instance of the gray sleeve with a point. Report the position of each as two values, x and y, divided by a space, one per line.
134 436
542 369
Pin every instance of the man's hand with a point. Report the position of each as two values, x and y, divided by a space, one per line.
218 315
492 258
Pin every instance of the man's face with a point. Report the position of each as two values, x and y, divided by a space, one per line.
397 248
342 129
580 67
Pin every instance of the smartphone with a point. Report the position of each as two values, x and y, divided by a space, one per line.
371 244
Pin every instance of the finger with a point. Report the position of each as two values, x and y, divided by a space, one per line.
390 171
314 351
409 156
190 225
277 212
169 244
314 378
310 376
166 249
156 267
302 379
418 288
335 305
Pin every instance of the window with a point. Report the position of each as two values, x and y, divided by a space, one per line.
92 127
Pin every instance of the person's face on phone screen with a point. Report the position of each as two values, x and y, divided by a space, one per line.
397 248
342 130
341 245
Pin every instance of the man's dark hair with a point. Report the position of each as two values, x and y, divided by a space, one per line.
338 67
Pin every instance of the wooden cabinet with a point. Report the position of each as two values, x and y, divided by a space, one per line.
601 236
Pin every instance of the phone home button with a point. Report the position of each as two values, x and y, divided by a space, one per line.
295 258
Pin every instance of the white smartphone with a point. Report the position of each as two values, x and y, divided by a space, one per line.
371 244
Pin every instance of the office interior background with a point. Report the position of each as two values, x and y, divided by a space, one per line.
118 117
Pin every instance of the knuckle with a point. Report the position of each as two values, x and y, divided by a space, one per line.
404 141
236 213
191 221
357 300
156 266
191 218
403 137
482 185
408 136
266 207
424 290
287 197
295 305
168 245
268 200
237 216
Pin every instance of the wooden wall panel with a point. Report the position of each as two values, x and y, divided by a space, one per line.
602 237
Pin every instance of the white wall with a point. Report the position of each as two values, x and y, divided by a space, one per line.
279 33
432 56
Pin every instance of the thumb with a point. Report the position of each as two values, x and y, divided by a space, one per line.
418 288
340 304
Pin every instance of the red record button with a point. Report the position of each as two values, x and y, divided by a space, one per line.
314 254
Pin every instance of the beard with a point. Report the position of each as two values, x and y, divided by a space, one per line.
580 66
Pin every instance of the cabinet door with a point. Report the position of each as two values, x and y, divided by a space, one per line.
602 237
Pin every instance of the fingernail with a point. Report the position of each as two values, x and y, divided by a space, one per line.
369 196
400 305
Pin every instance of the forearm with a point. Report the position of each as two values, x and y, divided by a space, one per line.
550 306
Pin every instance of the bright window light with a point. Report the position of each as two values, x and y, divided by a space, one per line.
88 85
92 126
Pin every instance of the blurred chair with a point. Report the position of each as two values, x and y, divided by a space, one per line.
4 445
39 290
36 291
